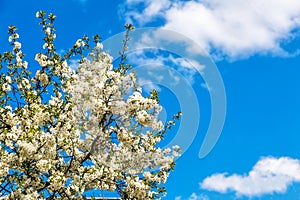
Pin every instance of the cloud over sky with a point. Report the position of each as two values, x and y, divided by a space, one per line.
269 175
230 28
194 196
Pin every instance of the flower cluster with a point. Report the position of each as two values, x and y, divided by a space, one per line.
63 133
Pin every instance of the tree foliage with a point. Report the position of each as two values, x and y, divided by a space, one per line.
65 132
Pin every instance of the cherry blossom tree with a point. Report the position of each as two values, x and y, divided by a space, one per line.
65 132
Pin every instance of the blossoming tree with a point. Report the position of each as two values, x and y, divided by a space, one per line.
65 132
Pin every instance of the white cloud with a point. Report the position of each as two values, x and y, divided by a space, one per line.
139 57
188 68
269 175
206 86
230 28
194 196
152 9
148 85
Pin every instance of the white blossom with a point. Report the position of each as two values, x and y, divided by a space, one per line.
78 43
48 31
8 79
18 45
45 46
42 59
99 45
95 116
10 38
25 64
13 37
6 87
37 14
42 77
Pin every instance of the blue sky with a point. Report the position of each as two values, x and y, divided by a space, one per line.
254 46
